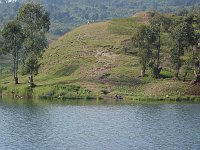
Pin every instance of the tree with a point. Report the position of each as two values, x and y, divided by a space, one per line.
159 23
143 40
35 23
183 37
193 40
12 43
191 44
1 45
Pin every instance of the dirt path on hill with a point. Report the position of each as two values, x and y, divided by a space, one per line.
80 39
104 61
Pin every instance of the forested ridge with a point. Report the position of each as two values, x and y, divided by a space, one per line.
67 14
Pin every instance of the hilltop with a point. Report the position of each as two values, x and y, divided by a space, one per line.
96 60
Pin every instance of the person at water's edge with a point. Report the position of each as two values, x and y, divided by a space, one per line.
118 97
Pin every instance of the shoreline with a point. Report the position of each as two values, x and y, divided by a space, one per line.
126 99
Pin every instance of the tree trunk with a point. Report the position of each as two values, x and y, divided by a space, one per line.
31 79
156 72
16 80
143 71
197 74
177 73
16 71
158 54
15 63
157 69
184 76
197 78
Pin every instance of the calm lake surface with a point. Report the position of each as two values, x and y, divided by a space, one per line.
92 125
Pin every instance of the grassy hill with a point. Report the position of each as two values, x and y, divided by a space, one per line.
91 61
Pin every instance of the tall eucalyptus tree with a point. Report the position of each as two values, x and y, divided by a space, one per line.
12 43
35 23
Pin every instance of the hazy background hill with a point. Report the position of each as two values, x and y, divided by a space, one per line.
67 14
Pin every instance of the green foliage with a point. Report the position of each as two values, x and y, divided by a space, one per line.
166 73
66 92
66 14
12 43
184 39
12 37
144 39
35 23
1 90
89 61
159 24
28 91
30 64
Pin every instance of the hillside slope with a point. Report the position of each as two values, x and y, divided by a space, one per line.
93 56
90 47
91 61
88 53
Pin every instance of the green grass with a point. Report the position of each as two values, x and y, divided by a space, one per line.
90 61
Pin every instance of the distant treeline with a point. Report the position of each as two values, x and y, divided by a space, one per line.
67 14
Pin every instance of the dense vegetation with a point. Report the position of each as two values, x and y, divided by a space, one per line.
67 14
148 54
184 47
26 36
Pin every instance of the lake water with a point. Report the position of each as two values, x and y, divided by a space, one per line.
88 125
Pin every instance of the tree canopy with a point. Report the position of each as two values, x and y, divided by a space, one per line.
35 23
67 14
12 43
